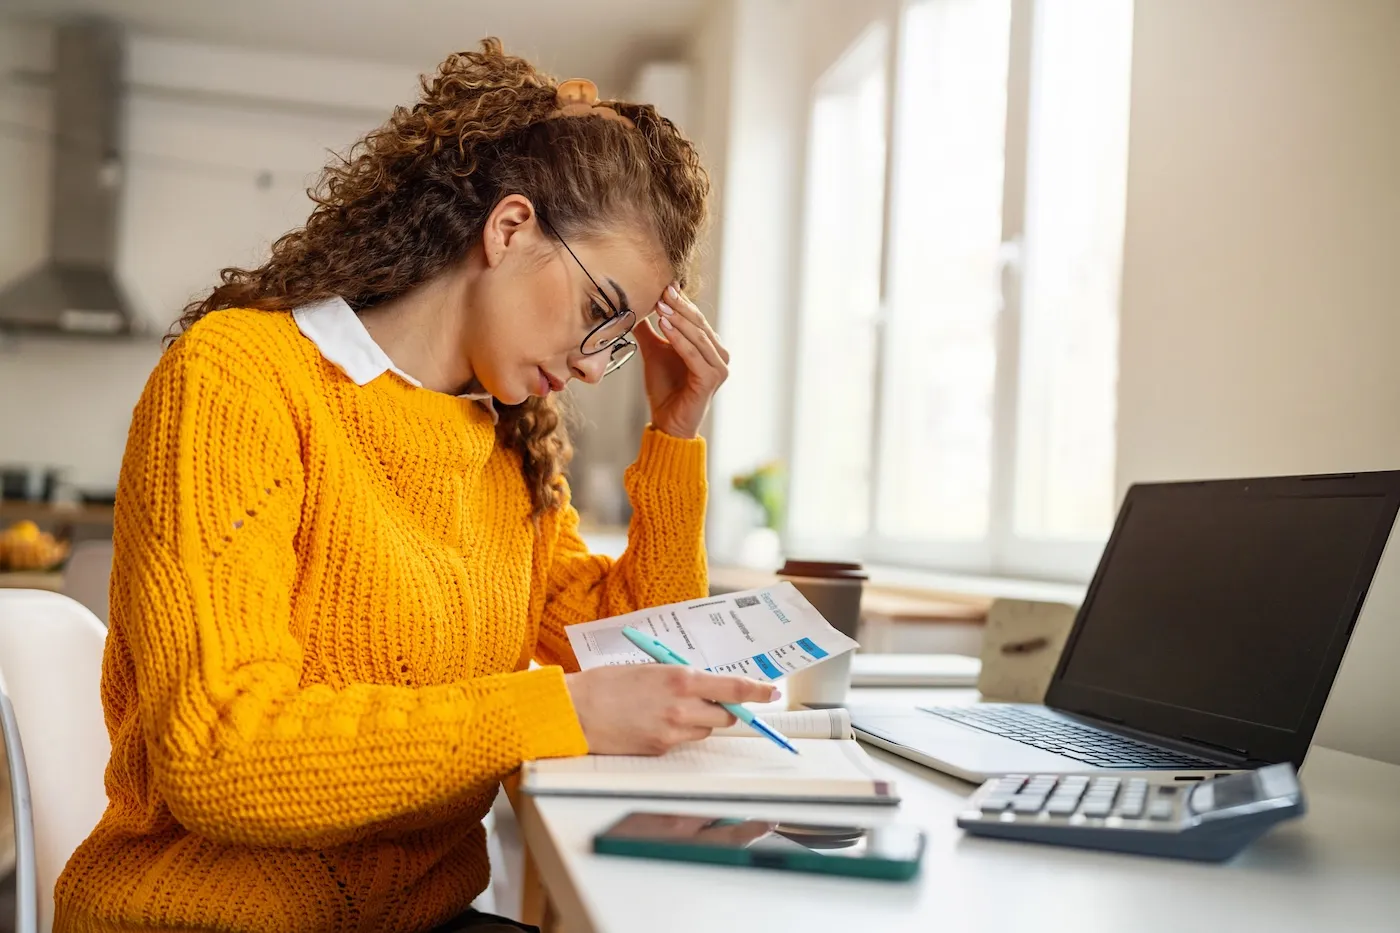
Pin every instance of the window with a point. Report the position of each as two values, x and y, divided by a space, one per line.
957 350
840 293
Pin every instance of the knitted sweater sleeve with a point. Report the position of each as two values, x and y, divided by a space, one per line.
205 566
665 557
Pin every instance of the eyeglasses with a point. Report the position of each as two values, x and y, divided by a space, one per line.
611 334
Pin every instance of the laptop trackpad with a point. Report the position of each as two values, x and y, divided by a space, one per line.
966 752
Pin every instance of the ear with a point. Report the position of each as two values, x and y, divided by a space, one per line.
512 216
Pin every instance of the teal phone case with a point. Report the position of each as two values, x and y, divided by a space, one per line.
887 869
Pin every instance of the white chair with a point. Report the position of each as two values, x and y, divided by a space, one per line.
88 575
21 830
51 663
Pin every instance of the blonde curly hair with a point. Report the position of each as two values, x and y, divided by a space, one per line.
412 197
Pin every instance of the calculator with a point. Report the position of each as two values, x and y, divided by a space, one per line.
1209 820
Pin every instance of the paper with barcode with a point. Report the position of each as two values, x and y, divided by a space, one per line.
765 634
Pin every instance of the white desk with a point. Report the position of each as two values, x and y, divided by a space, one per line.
1338 868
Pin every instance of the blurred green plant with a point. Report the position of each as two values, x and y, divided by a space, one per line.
767 486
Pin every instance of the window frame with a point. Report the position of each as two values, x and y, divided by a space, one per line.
1001 552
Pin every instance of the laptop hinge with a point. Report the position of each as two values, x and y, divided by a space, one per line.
1225 751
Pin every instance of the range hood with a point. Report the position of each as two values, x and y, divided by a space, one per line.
75 290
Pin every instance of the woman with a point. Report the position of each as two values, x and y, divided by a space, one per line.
342 530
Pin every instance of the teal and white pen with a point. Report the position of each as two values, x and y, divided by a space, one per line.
660 653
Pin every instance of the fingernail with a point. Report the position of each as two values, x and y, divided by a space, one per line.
665 308
666 323
671 290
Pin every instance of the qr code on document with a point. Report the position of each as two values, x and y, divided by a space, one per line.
744 602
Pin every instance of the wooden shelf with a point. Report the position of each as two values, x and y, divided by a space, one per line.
46 513
31 580
883 603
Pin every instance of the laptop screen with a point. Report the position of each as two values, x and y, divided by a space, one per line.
1220 610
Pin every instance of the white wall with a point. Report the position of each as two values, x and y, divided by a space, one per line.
711 59
756 215
192 205
756 62
1261 301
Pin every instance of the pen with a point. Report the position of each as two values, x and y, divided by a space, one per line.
660 653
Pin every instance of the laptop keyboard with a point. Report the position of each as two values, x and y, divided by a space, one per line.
1082 743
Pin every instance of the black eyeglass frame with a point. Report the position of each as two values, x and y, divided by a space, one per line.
622 348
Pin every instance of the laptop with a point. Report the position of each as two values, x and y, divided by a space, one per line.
1207 642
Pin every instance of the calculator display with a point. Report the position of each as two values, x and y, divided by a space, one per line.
1275 783
1236 790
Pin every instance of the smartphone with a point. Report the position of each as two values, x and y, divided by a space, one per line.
891 852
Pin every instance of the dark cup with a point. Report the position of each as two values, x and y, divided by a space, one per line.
834 588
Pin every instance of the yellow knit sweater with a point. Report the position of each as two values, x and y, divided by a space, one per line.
324 600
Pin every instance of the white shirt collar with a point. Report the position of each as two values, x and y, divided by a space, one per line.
341 337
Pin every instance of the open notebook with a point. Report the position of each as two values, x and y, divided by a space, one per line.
732 764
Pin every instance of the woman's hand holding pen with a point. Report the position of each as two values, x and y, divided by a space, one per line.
646 709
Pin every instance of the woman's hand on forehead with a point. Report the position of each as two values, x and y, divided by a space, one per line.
686 363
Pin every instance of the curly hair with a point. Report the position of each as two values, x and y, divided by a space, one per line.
412 197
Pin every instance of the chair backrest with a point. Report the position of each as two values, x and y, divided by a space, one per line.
88 574
51 659
26 917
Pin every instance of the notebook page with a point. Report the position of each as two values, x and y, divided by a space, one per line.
718 767
723 755
800 724
711 756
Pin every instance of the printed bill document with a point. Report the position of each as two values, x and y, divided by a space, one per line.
764 634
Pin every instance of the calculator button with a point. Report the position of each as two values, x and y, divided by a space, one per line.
1131 806
1010 784
1137 786
1202 798
1027 804
1061 806
1096 807
994 804
1160 810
